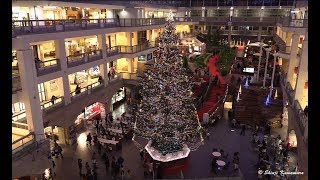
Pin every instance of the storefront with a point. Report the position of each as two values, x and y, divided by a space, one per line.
90 113
81 45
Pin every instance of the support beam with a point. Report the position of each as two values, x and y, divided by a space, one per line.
61 55
30 94
258 74
102 45
266 68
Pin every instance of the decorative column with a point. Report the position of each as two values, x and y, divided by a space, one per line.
258 74
30 94
293 62
103 45
266 68
61 55
303 71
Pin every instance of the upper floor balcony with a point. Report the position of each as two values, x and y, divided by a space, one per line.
293 23
24 27
82 58
130 49
47 66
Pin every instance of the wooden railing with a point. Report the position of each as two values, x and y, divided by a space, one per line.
20 125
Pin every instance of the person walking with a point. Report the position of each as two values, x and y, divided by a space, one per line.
60 151
120 161
243 130
89 139
80 165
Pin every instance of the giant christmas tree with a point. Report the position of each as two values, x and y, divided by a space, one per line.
166 115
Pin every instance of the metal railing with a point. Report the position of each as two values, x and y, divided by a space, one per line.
133 76
112 51
85 90
20 125
297 23
46 105
136 48
23 27
48 66
19 116
82 58
300 116
16 84
94 55
22 142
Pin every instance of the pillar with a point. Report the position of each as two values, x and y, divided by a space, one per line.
130 65
104 73
273 71
258 73
102 45
259 33
265 69
288 38
293 57
30 95
303 71
203 12
61 55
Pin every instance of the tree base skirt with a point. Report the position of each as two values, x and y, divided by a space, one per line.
156 155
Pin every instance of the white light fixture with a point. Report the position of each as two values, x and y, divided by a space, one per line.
218 7
231 8
122 9
248 7
203 8
262 7
280 7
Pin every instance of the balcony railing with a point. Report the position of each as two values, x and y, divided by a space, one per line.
82 58
16 84
52 104
300 116
23 27
141 22
297 23
20 116
135 48
85 90
94 55
20 125
112 51
23 142
132 76
48 66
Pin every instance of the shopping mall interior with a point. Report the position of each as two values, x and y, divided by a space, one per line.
173 89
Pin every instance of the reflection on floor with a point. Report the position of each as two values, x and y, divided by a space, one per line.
119 111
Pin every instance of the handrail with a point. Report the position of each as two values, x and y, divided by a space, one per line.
17 116
289 22
86 88
20 125
129 49
25 140
49 103
45 63
22 27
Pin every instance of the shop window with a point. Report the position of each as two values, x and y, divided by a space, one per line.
42 93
